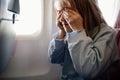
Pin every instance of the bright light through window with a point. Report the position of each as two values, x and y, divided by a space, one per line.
107 8
30 17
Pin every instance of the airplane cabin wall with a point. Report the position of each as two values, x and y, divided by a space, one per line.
30 56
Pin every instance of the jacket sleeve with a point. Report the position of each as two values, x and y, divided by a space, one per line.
56 51
91 56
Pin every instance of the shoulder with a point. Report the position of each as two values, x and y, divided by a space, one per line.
104 27
106 32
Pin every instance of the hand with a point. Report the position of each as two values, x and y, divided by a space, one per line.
62 24
62 32
74 19
58 22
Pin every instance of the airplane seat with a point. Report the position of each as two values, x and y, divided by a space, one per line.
117 29
7 35
7 40
115 75
114 70
118 41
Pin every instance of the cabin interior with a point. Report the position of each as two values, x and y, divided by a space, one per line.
26 28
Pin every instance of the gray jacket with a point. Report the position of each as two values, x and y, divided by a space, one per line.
82 56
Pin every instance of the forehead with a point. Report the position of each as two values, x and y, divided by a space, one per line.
60 4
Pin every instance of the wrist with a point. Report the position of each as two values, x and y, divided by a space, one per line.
61 34
78 28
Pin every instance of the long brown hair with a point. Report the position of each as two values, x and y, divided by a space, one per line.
90 13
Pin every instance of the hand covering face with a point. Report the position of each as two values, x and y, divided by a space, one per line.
71 15
73 18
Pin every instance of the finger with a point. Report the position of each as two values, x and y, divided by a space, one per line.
68 14
74 14
71 12
68 21
59 15
66 18
58 23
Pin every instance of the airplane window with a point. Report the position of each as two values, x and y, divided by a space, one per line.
30 18
108 8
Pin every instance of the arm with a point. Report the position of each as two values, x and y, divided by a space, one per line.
56 50
91 56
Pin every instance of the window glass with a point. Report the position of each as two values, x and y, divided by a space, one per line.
107 7
30 18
